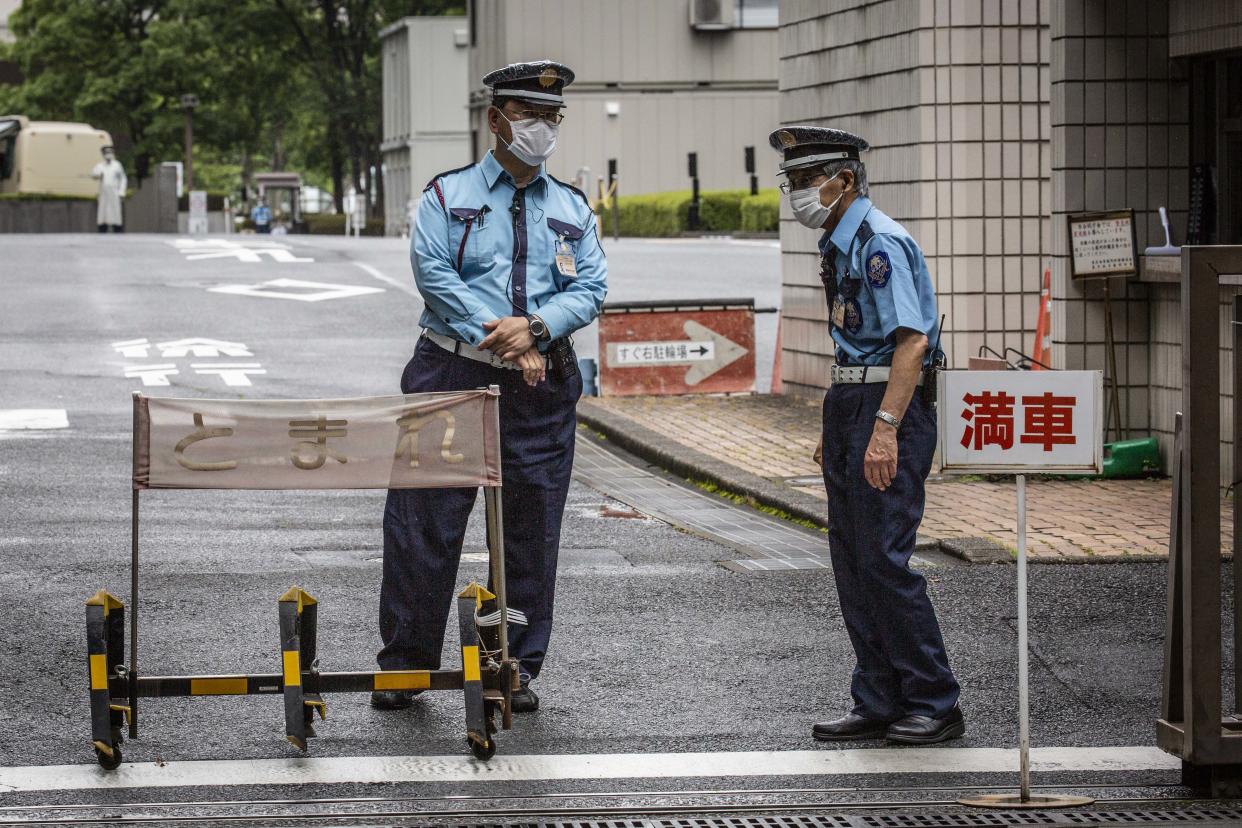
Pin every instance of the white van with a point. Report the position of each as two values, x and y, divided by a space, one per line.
50 157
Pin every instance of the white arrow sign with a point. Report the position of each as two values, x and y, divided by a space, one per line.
706 352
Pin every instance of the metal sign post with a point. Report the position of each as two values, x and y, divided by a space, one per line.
1024 663
1019 422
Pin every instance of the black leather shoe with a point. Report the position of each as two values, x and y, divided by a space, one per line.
525 700
849 728
393 699
924 730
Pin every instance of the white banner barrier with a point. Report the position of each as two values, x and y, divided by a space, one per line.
415 441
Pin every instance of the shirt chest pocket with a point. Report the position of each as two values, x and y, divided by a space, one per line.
564 250
471 238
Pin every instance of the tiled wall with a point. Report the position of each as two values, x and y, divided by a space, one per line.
953 97
991 120
1121 139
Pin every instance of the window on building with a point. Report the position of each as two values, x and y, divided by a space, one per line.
1216 150
756 14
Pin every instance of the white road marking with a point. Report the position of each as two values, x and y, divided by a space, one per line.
388 280
15 419
234 374
244 251
203 348
371 769
152 374
298 289
133 348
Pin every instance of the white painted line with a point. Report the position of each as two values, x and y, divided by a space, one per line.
14 419
371 769
388 280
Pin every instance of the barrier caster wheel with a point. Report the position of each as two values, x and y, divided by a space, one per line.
484 751
109 762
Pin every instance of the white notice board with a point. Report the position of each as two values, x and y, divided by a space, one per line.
197 223
1103 244
1021 422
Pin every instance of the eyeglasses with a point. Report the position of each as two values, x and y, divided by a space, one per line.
799 182
551 116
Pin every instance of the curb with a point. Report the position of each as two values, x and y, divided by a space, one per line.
688 463
685 462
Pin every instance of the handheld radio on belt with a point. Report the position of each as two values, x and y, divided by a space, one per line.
931 374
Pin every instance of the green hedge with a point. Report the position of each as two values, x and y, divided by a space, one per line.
333 224
652 214
761 213
720 211
43 197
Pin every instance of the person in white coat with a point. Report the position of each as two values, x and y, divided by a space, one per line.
112 185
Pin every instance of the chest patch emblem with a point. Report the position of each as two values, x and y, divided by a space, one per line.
853 316
879 269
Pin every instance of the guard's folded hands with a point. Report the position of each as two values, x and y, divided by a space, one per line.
508 337
532 364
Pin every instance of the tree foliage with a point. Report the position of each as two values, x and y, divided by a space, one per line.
281 83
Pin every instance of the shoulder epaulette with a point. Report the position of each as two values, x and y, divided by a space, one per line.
581 194
440 175
864 233
434 183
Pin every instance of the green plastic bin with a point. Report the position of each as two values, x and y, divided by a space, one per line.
1132 458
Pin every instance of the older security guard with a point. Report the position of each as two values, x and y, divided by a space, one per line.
878 438
509 264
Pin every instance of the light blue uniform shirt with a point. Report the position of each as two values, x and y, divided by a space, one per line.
882 282
489 250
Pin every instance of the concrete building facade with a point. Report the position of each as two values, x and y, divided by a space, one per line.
992 120
7 7
426 123
651 85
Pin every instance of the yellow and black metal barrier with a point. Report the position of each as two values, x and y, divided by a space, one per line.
380 438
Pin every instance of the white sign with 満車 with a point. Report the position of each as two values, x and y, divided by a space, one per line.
1021 422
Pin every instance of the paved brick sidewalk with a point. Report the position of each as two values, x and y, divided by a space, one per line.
772 437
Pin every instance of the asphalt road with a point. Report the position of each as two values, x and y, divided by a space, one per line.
657 648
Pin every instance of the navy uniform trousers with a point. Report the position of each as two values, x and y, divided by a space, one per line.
902 667
424 528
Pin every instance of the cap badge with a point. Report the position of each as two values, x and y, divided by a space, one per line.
548 77
786 138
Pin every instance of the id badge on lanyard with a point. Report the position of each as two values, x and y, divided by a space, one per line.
565 264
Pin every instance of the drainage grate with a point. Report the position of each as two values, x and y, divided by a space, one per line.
1233 815
783 821
966 819
1009 819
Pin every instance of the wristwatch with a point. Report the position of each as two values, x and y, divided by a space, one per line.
538 329
888 418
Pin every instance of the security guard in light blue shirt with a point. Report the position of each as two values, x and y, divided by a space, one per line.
509 265
882 285
879 435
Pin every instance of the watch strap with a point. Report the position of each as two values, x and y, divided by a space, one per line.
533 321
888 418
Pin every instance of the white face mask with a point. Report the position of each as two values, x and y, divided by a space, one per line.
534 140
807 208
